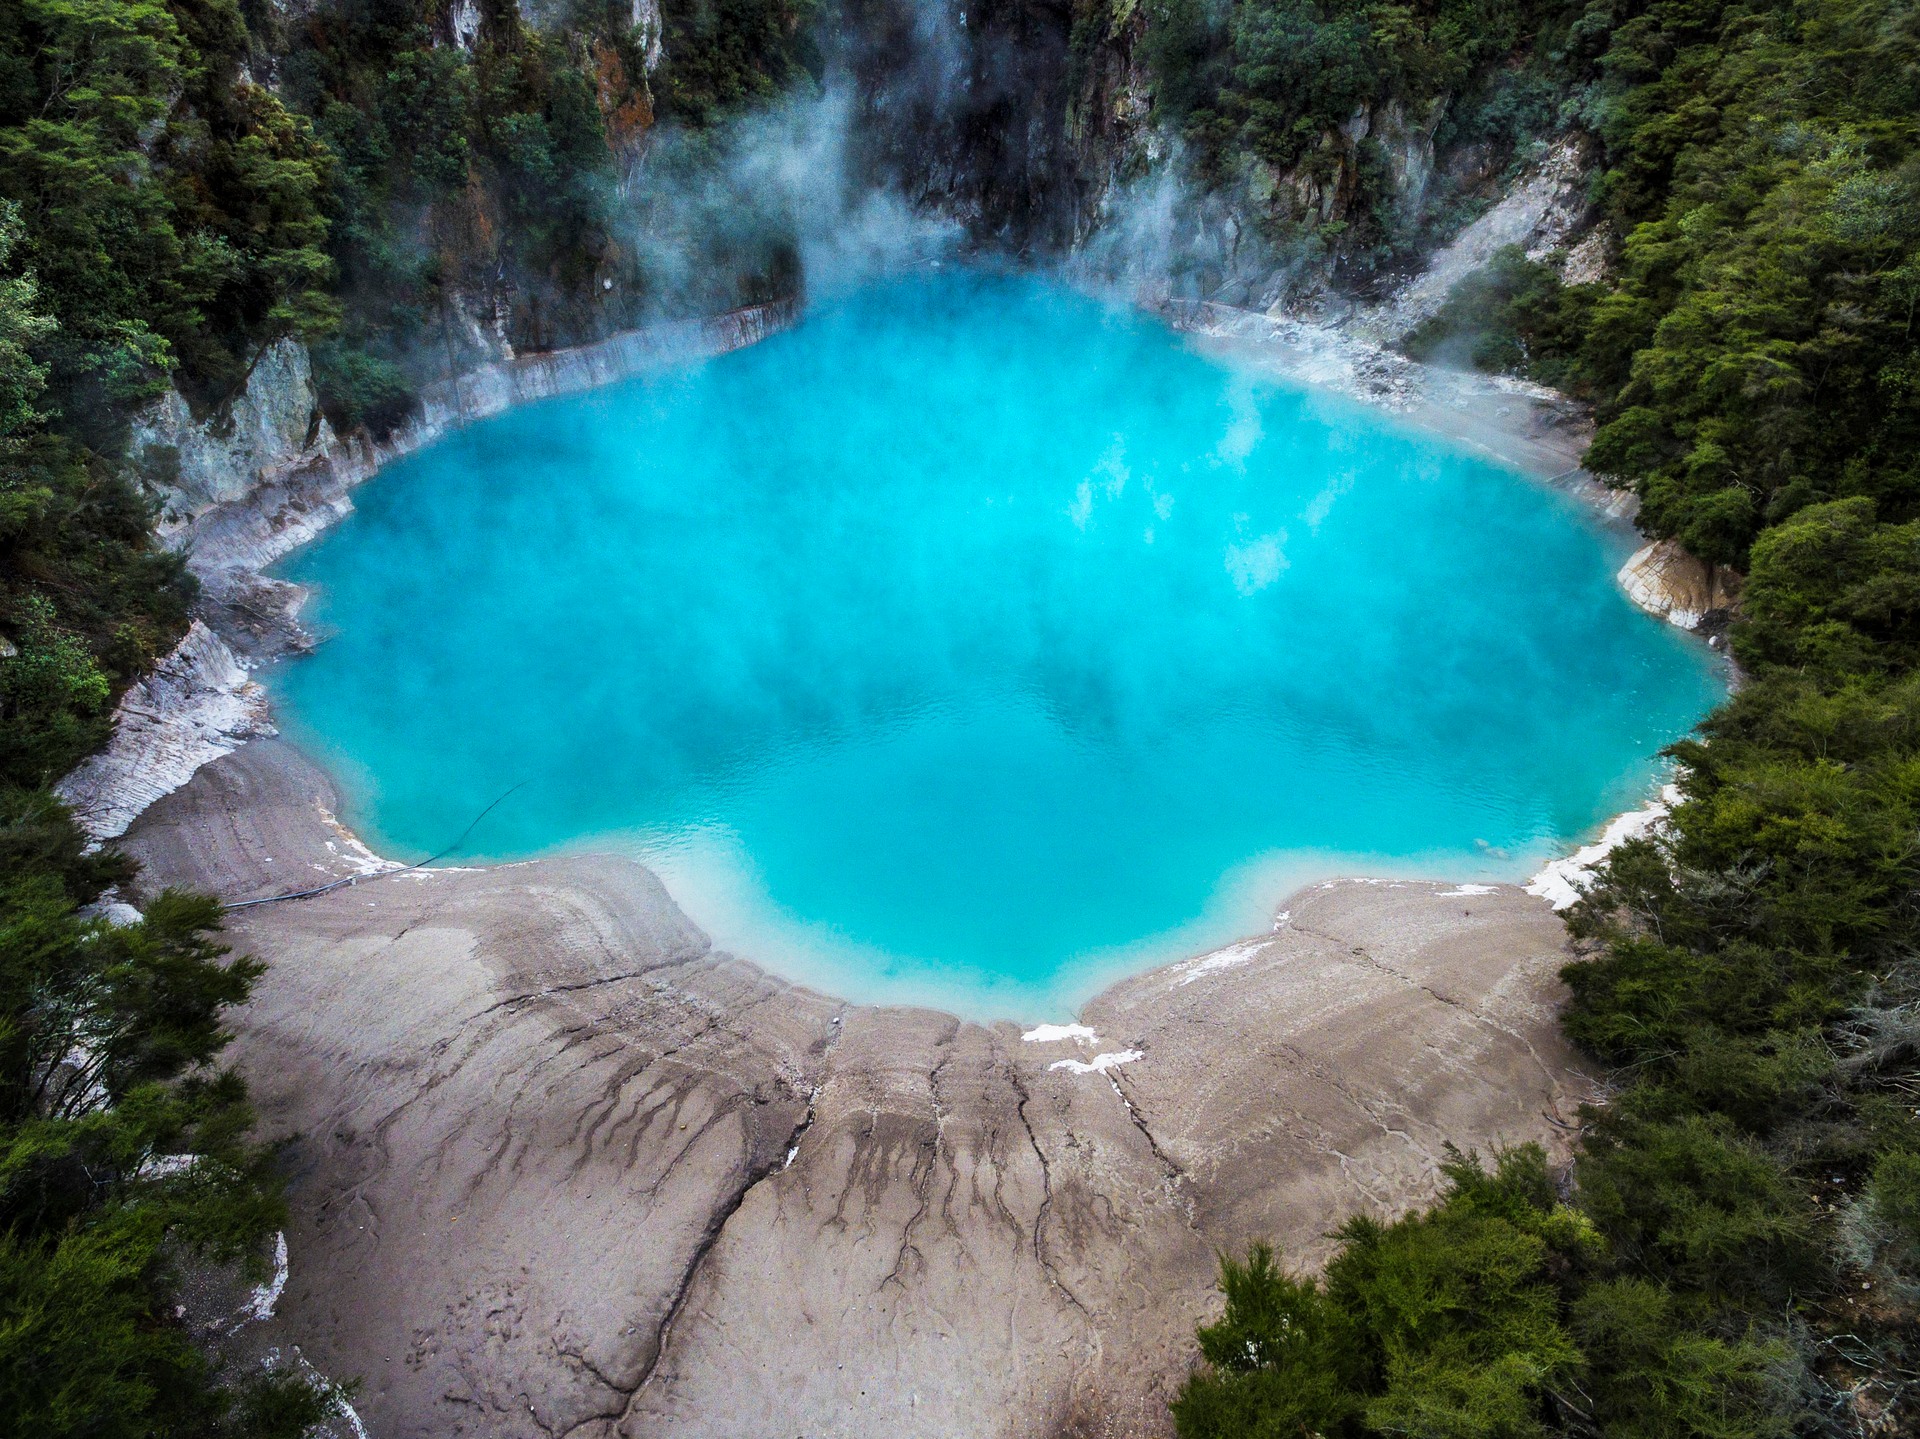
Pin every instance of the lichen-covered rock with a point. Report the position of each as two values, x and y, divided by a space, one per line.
1409 149
196 706
647 20
1663 579
273 423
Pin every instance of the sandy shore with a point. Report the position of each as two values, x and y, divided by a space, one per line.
558 1167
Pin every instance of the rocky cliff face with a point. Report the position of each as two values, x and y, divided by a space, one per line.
1006 114
1030 122
962 107
274 422
1109 123
1033 122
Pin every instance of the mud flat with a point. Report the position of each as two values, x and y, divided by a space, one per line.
560 1167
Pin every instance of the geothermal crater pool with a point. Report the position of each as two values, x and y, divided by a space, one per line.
974 642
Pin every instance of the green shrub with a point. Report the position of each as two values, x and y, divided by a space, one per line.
1514 317
1446 1323
109 1046
358 390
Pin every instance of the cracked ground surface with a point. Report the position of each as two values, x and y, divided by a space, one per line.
559 1168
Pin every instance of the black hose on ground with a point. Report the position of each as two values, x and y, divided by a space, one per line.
354 879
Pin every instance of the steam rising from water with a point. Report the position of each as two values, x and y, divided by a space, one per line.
1160 236
784 179
803 178
880 167
974 641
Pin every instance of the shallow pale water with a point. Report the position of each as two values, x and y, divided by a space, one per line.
973 642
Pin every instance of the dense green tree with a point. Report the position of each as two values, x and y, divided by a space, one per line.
725 55
89 601
170 205
23 329
159 224
1445 1323
122 1154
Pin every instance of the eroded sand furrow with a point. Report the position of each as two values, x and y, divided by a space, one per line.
716 1227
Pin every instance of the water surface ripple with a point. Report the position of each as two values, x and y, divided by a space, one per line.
973 642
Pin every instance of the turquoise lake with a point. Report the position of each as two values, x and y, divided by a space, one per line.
975 642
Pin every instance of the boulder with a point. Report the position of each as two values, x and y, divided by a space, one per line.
1664 580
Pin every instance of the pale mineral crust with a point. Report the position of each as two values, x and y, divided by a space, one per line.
560 1168
197 705
1664 580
